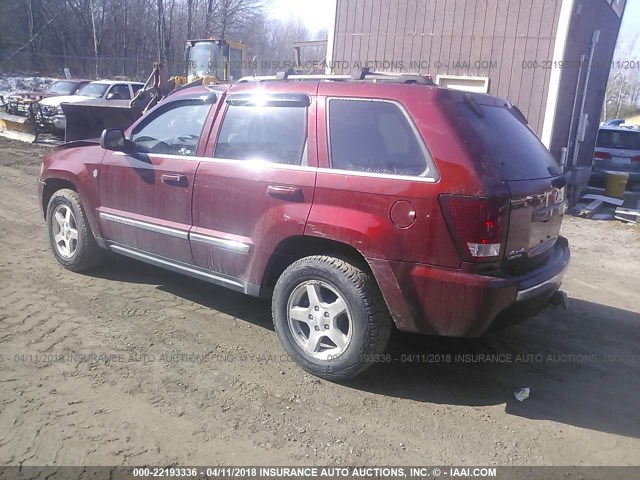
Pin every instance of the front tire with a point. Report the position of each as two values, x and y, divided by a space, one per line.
330 317
70 236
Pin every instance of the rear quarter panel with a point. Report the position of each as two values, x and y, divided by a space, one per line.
356 209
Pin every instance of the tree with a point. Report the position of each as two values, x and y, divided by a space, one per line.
107 38
622 97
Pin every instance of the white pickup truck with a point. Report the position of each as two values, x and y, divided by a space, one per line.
107 92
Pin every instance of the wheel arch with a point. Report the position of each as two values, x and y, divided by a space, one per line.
51 186
58 180
293 248
363 335
296 247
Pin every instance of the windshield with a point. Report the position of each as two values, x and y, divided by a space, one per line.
94 90
206 59
62 87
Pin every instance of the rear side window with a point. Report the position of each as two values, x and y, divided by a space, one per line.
374 136
618 139
516 150
269 133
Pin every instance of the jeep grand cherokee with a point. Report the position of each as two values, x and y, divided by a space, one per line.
353 205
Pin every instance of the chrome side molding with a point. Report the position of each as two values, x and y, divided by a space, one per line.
151 227
225 243
191 270
220 242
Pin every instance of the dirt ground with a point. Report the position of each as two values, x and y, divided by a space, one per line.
105 369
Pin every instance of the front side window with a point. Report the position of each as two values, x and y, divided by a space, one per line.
119 92
269 133
374 137
174 130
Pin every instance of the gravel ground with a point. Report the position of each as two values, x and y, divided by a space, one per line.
104 369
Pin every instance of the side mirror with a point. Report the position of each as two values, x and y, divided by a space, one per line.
114 139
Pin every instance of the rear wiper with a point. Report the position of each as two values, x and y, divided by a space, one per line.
473 105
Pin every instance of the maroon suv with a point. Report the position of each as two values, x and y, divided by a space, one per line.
354 205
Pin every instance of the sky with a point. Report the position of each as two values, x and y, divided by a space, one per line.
316 14
630 28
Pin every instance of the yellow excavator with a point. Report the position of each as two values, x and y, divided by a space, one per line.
207 62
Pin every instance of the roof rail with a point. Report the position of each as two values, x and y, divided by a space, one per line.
366 74
285 75
289 76
362 75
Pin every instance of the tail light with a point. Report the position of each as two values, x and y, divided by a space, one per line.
636 158
478 225
602 155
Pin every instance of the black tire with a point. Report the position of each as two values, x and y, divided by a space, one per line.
87 253
370 317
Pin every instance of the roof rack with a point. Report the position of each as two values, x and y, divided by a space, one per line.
367 74
362 75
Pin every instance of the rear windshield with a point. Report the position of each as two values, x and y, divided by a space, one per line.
517 151
618 139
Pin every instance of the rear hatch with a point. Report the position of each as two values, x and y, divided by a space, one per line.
534 179
617 150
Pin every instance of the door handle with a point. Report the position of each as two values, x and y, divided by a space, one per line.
173 179
284 192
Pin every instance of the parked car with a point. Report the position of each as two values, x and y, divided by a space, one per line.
354 206
617 150
18 103
108 92
614 122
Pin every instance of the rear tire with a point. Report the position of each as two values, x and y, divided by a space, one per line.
330 317
70 235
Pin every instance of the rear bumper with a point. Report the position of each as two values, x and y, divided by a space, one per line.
450 302
550 284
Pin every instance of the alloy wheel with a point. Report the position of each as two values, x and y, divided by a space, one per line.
319 319
65 231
